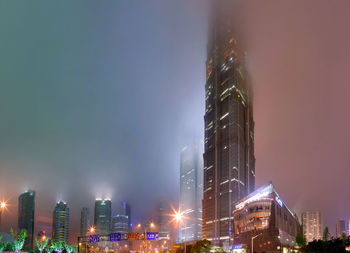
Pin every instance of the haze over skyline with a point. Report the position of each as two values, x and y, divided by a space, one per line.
98 98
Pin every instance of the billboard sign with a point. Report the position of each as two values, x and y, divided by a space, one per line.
94 238
152 236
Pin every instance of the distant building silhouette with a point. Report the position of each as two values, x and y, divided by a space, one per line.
84 221
103 211
60 226
340 228
26 208
312 225
191 192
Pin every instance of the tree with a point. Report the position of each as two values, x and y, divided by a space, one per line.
201 246
58 246
73 248
326 234
49 248
41 243
300 239
2 245
19 239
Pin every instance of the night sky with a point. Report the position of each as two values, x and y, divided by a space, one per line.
97 98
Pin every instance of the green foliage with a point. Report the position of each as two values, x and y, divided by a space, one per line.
49 248
2 245
201 246
326 234
73 248
335 245
20 238
41 244
300 239
58 246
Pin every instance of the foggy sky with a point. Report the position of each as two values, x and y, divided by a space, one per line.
97 98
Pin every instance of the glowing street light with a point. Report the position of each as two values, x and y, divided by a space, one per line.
180 218
3 205
92 230
152 225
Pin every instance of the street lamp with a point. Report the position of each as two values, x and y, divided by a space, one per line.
253 241
179 217
92 230
2 207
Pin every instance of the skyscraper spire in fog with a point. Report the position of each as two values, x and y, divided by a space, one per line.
229 162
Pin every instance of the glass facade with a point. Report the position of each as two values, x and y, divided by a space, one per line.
191 192
263 217
60 228
26 208
84 221
103 216
229 162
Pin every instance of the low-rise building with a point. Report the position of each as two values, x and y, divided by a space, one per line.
262 221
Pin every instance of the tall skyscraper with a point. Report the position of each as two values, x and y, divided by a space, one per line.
229 162
164 221
60 226
340 228
26 207
312 225
84 221
103 216
121 222
191 192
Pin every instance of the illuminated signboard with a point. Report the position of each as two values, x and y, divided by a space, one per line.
151 236
134 236
115 237
94 238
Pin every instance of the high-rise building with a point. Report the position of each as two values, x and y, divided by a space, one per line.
120 223
84 221
164 222
126 210
229 162
191 192
26 207
60 226
103 210
340 228
312 225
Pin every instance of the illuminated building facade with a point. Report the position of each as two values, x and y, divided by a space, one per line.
103 210
229 162
265 218
340 228
312 225
191 192
60 226
165 224
84 221
26 208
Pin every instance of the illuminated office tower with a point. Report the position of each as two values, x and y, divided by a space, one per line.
84 221
229 162
103 216
26 207
191 192
312 225
60 227
121 222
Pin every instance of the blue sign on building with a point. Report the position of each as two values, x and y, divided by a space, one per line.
115 237
94 238
151 236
